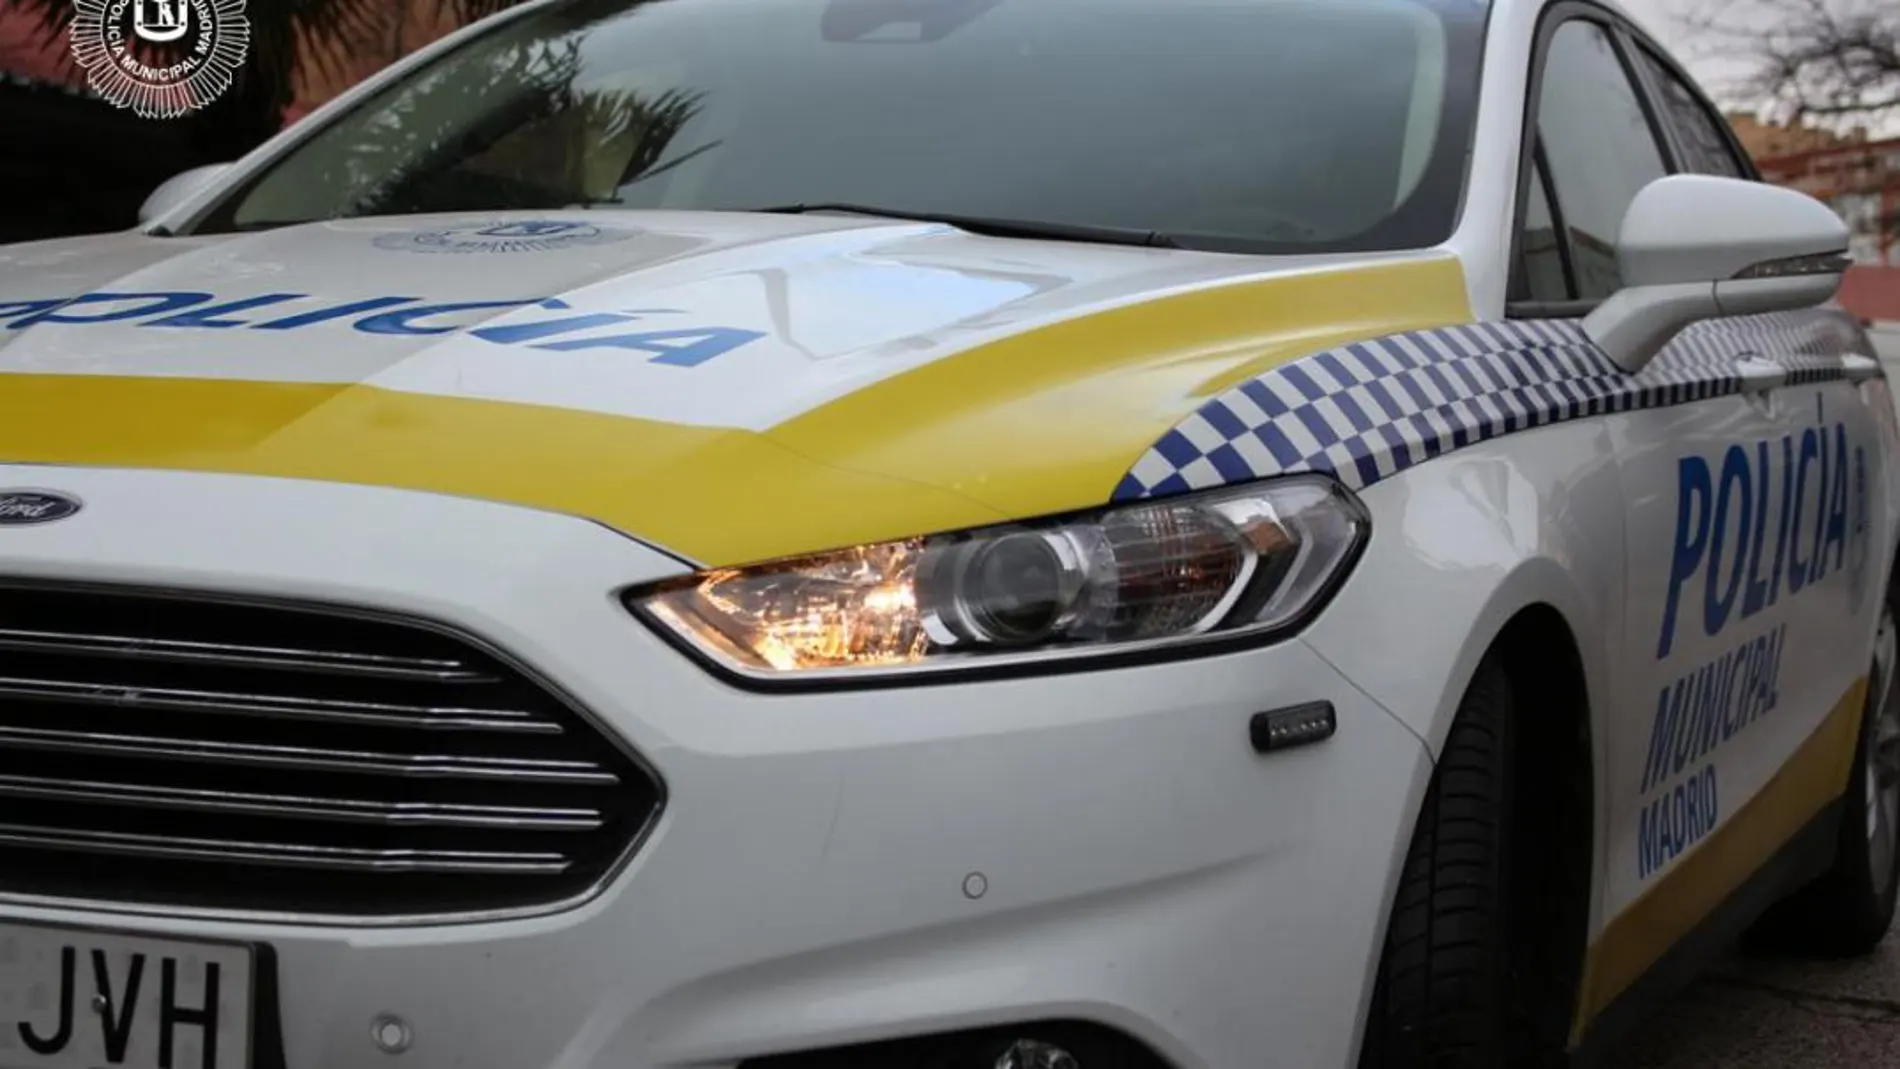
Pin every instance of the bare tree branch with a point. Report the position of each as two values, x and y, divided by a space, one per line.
1800 59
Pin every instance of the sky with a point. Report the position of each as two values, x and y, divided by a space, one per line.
1665 20
1653 15
1713 62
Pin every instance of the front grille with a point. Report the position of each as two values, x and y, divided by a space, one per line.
166 749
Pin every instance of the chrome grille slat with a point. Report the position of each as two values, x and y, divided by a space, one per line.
286 854
431 718
359 762
169 750
290 807
294 660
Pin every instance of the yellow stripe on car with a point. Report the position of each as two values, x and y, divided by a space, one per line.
713 495
1814 775
1041 422
1050 420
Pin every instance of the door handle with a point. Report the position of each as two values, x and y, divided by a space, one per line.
1759 375
1860 368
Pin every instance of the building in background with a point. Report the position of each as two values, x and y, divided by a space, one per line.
1771 140
1859 177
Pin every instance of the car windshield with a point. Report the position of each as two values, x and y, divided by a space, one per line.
1239 125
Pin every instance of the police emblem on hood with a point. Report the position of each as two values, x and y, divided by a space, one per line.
531 235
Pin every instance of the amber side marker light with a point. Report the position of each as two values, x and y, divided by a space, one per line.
1300 725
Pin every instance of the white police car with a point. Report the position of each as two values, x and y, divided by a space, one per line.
969 534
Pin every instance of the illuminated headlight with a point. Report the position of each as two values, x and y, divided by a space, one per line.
1172 572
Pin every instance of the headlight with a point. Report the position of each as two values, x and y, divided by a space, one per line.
1240 561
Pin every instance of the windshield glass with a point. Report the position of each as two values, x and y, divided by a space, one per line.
1243 125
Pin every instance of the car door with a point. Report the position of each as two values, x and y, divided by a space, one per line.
1704 703
1827 438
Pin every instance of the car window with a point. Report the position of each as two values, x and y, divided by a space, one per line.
1704 147
1197 118
1599 147
1541 254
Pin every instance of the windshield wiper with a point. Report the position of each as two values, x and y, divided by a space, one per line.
994 227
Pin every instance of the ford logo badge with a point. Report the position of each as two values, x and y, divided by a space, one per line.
21 507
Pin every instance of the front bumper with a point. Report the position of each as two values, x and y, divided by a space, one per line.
811 881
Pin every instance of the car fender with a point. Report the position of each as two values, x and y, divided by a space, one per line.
1458 547
1462 544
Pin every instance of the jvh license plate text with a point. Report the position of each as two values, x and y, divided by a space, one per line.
77 999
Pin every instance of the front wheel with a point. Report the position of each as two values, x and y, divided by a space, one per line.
1455 987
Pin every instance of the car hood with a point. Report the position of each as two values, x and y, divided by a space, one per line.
728 386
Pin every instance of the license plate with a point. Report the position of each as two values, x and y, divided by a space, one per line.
79 999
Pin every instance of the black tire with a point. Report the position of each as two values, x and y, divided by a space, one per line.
1848 910
1450 991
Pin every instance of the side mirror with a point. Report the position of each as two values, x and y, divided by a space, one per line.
177 189
1695 246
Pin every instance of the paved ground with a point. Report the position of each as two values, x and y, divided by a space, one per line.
1788 1015
1747 1013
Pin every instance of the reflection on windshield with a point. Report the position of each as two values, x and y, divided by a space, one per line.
925 20
506 141
1201 120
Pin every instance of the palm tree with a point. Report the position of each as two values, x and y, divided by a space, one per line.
412 154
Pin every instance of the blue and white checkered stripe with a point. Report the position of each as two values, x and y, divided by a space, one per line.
1369 410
